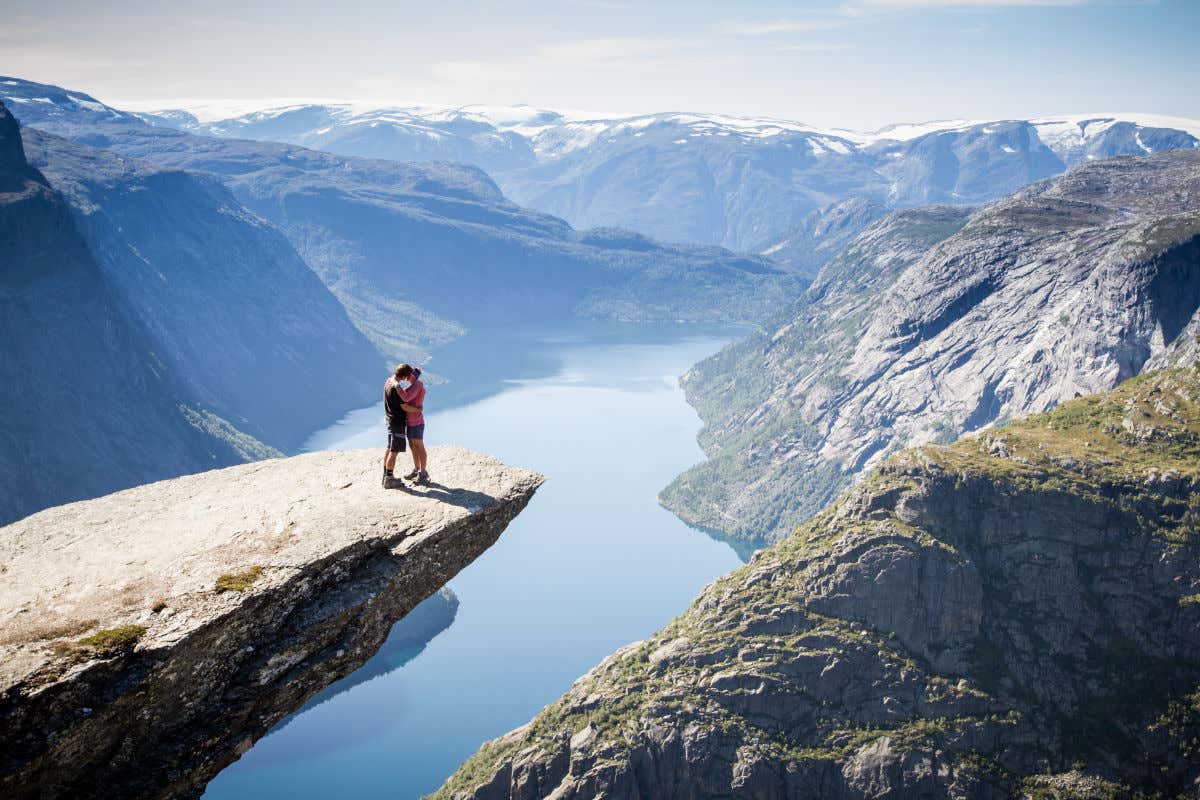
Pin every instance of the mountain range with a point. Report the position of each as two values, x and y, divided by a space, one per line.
266 285
743 183
942 320
416 251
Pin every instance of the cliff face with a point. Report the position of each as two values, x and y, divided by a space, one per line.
1012 613
232 308
823 234
933 323
89 407
149 637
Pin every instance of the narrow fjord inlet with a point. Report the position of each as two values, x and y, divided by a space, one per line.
592 565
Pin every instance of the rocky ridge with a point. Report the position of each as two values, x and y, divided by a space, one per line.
147 638
940 321
1015 614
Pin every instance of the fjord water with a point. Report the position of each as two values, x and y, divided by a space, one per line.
592 564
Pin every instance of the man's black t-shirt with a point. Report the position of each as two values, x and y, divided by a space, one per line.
396 418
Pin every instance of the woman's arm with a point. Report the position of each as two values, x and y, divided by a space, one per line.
407 396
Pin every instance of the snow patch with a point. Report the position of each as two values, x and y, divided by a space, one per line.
91 105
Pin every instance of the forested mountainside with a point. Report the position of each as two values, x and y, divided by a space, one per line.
90 405
414 251
233 311
1013 615
935 322
737 182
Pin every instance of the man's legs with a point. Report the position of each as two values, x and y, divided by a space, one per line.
394 448
389 464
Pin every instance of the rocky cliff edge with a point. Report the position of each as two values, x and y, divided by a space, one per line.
147 638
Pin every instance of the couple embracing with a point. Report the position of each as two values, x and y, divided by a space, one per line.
403 400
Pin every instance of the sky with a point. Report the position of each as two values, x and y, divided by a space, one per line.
839 63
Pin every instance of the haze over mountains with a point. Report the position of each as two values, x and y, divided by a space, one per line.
741 183
397 241
407 255
271 283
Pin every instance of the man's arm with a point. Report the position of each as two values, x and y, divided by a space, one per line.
410 409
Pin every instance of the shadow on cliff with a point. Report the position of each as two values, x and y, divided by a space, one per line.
464 498
408 639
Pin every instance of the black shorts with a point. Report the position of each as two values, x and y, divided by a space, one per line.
396 442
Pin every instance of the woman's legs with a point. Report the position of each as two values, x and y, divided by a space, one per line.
418 453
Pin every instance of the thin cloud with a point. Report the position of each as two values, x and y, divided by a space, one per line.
812 47
896 5
778 26
601 52
856 8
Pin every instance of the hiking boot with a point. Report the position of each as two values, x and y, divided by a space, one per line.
392 482
412 475
386 475
422 478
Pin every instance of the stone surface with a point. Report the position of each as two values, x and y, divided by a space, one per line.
939 321
1013 615
321 562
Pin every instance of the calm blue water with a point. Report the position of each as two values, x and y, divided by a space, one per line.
592 564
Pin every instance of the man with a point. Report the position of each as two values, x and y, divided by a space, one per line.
411 391
396 411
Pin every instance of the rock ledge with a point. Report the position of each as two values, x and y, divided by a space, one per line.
147 638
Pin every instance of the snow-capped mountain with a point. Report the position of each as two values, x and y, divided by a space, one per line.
744 183
401 134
